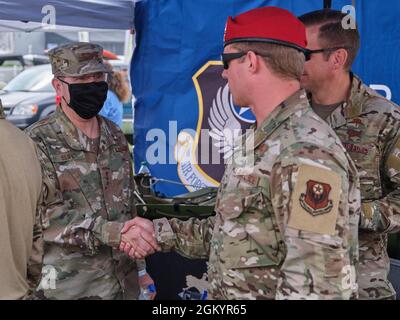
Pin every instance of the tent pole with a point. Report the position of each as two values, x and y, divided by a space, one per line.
327 4
128 46
83 36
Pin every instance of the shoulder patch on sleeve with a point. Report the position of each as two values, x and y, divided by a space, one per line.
315 200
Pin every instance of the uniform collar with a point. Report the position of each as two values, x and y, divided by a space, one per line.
352 107
296 102
77 140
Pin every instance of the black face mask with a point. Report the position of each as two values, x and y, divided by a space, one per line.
86 99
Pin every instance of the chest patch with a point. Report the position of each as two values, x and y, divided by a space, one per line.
350 147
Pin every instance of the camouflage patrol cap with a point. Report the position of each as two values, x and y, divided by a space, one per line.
76 59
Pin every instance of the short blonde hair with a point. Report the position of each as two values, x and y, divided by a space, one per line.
285 62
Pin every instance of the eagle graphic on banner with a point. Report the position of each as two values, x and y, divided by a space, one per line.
225 127
201 157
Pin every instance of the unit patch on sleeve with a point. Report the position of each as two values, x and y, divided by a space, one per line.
315 200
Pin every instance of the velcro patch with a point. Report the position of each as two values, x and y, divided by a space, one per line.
315 200
393 162
368 210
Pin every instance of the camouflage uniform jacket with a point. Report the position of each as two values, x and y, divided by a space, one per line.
287 227
368 126
89 196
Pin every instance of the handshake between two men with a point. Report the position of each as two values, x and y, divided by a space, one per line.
138 238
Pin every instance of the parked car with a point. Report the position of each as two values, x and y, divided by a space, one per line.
29 96
26 60
13 64
119 65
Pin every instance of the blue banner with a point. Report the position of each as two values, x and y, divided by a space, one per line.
176 77
378 62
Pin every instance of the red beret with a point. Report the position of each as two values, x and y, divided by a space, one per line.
267 24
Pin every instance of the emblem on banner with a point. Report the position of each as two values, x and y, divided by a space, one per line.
201 158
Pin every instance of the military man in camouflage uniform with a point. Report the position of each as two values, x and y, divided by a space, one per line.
368 125
86 158
287 212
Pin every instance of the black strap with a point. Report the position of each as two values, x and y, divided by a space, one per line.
282 43
273 41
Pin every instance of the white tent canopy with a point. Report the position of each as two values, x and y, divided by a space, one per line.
79 15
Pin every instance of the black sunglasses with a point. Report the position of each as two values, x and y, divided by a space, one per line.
226 57
308 52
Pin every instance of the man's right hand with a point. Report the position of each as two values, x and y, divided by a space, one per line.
138 238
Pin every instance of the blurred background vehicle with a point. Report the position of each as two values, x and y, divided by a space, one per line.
12 64
119 65
29 96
